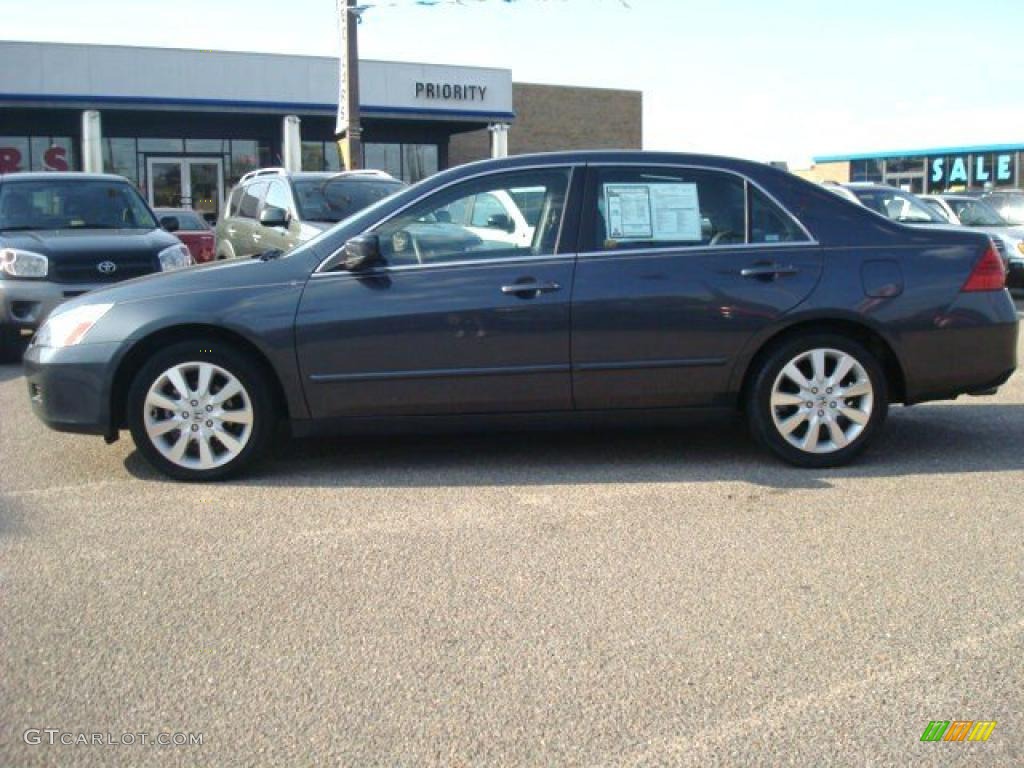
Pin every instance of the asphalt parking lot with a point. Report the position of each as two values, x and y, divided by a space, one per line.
607 598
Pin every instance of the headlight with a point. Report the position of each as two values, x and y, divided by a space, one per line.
175 257
17 263
1020 246
65 329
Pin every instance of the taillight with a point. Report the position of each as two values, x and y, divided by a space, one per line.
988 274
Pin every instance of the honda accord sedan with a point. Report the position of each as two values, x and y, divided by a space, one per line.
653 286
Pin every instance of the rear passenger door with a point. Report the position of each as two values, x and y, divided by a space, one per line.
679 268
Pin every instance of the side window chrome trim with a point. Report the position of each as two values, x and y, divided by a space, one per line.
695 249
573 168
596 166
386 270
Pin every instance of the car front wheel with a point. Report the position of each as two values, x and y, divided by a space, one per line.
818 400
200 411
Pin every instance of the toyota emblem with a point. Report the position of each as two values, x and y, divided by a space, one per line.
107 267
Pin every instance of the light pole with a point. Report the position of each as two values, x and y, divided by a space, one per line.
348 129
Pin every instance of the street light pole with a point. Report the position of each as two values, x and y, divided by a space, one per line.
348 129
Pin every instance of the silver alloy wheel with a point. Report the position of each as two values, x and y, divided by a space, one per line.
198 415
822 400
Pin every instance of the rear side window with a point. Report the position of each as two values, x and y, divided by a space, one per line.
637 207
769 223
251 196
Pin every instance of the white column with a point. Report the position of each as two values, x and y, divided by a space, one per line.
499 139
291 145
92 142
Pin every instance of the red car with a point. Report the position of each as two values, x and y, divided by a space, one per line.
193 231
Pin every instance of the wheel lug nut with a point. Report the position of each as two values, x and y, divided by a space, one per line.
814 390
195 427
195 403
832 404
209 408
809 404
828 391
210 423
821 413
184 414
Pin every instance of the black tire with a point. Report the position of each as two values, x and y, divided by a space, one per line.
760 412
240 365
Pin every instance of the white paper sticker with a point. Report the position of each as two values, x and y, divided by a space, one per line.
652 212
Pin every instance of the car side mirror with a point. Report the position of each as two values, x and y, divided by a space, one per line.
360 253
272 216
445 217
170 223
501 221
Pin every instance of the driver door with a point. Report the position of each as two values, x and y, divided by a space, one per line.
449 321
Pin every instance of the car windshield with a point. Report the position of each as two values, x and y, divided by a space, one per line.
188 221
72 204
335 199
976 213
897 205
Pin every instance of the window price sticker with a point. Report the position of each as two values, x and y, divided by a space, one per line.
652 212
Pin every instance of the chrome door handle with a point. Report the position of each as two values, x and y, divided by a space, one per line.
531 286
231 230
768 270
257 238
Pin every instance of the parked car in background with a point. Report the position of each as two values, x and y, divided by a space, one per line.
273 209
191 228
895 204
63 234
975 212
655 284
1008 203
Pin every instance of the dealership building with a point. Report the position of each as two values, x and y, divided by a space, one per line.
940 169
184 125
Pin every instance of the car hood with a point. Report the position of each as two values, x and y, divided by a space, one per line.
56 243
212 276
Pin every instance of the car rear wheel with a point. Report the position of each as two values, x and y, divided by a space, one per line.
200 411
818 400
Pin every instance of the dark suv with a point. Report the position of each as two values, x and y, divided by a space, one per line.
62 234
273 209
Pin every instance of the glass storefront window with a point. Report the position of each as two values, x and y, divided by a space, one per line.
37 153
246 155
14 154
164 146
866 170
119 156
904 165
383 157
332 158
418 161
206 146
312 156
409 162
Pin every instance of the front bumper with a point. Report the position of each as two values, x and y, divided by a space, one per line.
70 388
25 304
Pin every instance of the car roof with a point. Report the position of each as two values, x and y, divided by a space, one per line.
59 176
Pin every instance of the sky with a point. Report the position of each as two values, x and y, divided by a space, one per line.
768 80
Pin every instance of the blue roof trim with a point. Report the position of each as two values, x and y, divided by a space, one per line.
921 152
276 105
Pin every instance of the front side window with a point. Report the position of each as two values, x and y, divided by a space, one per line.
436 230
278 197
251 196
88 204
